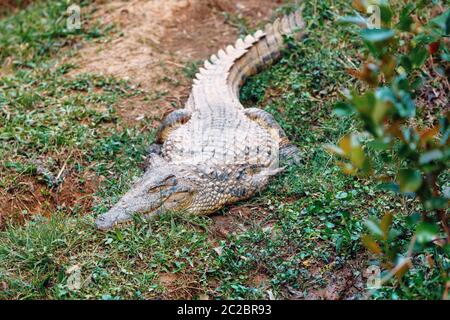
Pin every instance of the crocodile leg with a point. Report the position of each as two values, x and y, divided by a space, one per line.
174 120
289 153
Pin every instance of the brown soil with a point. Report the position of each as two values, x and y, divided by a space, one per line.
155 41
342 282
7 6
31 196
180 286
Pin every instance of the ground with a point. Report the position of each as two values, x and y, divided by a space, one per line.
79 109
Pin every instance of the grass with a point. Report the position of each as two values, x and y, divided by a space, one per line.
299 236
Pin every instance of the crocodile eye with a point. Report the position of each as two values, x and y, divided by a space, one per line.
169 181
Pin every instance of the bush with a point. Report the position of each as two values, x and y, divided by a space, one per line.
405 56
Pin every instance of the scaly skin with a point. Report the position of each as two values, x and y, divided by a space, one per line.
214 152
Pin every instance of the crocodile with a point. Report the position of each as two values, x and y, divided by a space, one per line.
214 152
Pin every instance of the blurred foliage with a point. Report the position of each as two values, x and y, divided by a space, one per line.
398 54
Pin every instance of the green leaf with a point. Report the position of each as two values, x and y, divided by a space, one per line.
358 20
442 22
446 192
380 110
389 187
417 83
364 103
342 109
426 232
341 195
374 228
406 63
405 18
377 35
436 203
378 144
413 219
409 180
385 11
358 157
418 56
431 156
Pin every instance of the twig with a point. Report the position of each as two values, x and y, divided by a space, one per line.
63 168
174 64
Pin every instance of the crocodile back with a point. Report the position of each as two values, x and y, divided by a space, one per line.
222 138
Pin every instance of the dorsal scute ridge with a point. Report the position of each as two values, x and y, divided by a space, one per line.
222 75
229 55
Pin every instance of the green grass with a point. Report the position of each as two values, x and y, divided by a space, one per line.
300 235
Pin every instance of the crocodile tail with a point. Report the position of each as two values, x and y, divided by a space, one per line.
221 77
266 48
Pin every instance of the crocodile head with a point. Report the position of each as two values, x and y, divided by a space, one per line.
161 188
178 187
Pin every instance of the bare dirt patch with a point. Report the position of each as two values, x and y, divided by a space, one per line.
29 196
341 282
180 286
156 39
7 6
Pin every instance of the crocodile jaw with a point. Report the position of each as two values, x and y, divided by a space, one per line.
133 203
158 189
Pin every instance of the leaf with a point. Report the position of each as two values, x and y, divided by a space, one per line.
405 18
74 279
389 187
380 110
119 235
402 267
409 180
358 20
385 11
342 109
385 224
430 156
334 149
341 195
426 232
446 192
413 219
364 103
347 168
374 228
436 203
428 134
433 47
359 5
346 144
379 144
371 244
442 22
418 56
377 35
406 63
388 66
357 157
